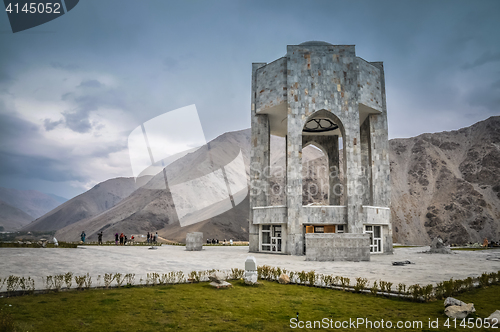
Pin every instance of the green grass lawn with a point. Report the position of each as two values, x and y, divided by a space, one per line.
199 307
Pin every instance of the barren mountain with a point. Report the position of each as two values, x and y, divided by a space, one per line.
444 184
98 199
151 208
447 184
11 218
32 202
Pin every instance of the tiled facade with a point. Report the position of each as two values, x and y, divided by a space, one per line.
316 80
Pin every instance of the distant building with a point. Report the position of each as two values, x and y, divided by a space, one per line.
316 94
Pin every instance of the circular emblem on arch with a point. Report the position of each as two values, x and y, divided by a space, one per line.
320 125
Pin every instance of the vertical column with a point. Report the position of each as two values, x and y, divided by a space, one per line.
366 163
259 160
295 241
380 159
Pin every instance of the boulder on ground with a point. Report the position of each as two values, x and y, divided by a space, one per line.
217 277
223 284
284 279
452 301
459 311
494 317
438 247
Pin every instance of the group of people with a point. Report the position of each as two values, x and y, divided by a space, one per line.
152 238
122 239
216 241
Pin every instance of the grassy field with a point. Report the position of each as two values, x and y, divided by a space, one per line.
199 307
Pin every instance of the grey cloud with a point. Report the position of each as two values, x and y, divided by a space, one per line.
78 121
51 125
64 66
91 84
483 59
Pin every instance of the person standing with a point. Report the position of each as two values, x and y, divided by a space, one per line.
148 237
82 236
116 239
99 238
156 237
121 239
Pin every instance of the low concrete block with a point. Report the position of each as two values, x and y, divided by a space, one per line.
194 241
337 247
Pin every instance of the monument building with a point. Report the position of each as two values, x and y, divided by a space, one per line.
324 95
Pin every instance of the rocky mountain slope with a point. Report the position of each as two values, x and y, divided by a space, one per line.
11 218
444 184
32 202
100 198
447 184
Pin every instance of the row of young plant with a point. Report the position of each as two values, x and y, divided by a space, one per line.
415 292
60 281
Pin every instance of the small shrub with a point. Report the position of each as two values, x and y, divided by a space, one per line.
108 279
179 275
311 277
80 281
119 278
415 291
401 289
49 283
292 275
344 282
302 275
58 281
440 290
68 279
235 274
427 292
374 288
88 281
2 282
448 287
360 284
484 280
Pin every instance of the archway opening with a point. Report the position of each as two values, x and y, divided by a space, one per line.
323 160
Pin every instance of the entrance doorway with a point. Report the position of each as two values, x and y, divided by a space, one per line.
271 238
375 238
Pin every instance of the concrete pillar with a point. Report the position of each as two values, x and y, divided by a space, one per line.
259 160
366 163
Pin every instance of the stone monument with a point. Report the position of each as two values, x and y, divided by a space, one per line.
324 95
251 271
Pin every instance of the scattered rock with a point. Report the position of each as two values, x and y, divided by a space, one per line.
223 284
453 301
459 311
438 247
493 316
284 279
402 263
217 277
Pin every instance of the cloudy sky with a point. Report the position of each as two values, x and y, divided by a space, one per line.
73 89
